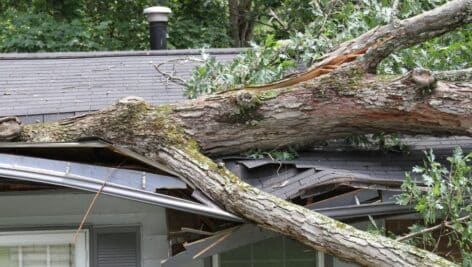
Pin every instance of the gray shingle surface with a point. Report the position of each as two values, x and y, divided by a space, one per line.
56 85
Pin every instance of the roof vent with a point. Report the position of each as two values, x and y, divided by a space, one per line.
157 17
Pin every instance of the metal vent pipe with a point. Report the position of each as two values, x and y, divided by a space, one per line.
157 17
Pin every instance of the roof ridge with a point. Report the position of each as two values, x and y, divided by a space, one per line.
102 54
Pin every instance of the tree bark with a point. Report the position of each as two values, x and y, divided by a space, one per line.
242 20
336 105
337 97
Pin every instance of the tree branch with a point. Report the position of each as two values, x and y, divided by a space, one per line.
415 30
282 23
393 15
171 77
372 47
431 229
381 41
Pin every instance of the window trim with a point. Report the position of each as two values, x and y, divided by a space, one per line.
51 237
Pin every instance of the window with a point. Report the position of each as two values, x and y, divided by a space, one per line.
274 252
44 248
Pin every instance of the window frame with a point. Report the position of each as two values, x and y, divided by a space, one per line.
51 237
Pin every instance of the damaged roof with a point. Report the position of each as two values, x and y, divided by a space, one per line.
335 180
344 183
47 86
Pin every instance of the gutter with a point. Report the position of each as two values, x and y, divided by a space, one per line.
16 167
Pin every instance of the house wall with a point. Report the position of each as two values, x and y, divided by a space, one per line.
65 209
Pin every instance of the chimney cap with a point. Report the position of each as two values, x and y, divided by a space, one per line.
157 13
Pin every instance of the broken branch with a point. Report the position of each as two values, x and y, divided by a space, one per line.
431 229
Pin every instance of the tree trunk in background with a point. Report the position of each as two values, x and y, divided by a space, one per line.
242 21
336 97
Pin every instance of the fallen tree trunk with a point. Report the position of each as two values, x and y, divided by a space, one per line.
344 102
337 97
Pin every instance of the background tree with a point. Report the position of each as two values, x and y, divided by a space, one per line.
84 25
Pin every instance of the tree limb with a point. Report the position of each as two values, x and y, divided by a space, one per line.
373 46
415 30
431 229
393 15
274 15
170 77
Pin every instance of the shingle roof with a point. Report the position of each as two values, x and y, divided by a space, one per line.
48 86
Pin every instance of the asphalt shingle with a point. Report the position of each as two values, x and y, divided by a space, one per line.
56 85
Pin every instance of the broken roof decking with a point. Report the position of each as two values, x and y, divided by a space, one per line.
48 86
286 179
345 184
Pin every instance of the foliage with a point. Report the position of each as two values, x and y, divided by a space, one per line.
451 51
73 26
446 196
26 32
312 28
259 65
198 23
276 155
380 141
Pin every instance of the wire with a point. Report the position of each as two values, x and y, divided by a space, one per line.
92 203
